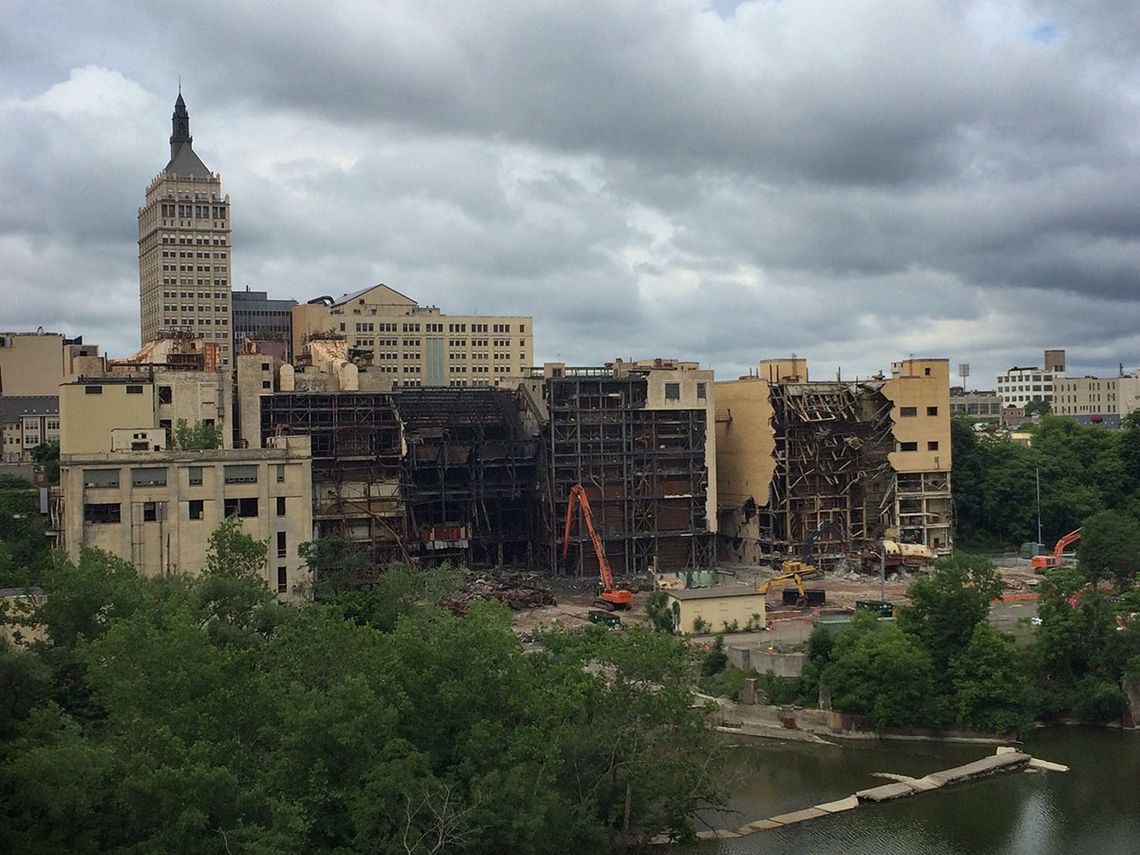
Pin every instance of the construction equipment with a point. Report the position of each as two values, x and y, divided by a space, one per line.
797 571
609 596
1045 562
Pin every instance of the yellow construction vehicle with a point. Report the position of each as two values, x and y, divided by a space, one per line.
797 571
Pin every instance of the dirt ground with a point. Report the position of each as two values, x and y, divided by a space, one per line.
575 597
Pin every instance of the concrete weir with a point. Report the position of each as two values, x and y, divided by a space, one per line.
1005 760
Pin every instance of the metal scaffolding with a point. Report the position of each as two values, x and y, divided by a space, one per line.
643 469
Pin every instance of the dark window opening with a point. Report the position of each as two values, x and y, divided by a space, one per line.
932 411
672 391
93 390
150 512
282 550
280 506
908 446
134 390
165 394
102 513
702 391
932 445
282 581
908 411
241 507
197 507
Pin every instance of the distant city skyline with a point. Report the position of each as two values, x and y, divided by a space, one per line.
720 182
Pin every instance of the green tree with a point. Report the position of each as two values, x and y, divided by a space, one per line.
198 436
232 596
46 455
949 603
1109 548
991 689
658 611
1038 408
880 671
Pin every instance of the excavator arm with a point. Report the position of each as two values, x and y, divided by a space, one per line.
612 596
1059 549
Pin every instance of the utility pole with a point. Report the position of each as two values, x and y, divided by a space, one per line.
1037 471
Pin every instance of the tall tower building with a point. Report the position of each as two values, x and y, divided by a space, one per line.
184 246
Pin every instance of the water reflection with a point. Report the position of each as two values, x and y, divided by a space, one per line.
1093 808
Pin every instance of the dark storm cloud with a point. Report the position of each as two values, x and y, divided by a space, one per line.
717 181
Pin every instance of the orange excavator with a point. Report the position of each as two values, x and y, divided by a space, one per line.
1045 562
610 597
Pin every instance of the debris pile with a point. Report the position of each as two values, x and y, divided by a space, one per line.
518 590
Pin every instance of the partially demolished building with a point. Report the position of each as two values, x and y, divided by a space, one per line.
872 455
637 437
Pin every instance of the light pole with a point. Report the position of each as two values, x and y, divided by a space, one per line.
1037 472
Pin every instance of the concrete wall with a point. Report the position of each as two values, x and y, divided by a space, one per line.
31 363
924 386
745 442
87 420
156 531
718 612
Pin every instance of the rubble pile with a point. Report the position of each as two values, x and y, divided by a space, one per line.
518 590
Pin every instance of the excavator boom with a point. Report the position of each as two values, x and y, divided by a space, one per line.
611 595
1044 562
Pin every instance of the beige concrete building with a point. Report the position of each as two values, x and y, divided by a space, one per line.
185 250
794 455
1019 386
157 509
173 378
35 363
1087 398
419 345
978 405
710 610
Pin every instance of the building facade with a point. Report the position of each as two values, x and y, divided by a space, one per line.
185 250
35 363
259 318
157 509
419 345
982 405
25 422
795 457
171 379
1097 400
1023 385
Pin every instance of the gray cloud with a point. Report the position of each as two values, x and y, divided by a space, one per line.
853 182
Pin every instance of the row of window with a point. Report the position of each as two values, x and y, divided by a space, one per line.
174 253
110 513
673 391
910 412
155 476
174 280
931 445
189 241
1024 378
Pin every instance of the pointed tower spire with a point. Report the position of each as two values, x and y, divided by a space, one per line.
180 122
183 160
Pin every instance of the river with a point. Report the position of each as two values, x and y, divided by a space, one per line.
1093 808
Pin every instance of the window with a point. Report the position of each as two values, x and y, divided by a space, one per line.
926 371
282 551
194 474
282 581
241 507
932 445
702 391
100 478
134 390
165 394
908 446
908 411
932 411
149 477
266 384
241 474
672 391
101 514
151 511
196 507
280 473
280 506
93 390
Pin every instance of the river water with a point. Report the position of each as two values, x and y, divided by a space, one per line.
1093 808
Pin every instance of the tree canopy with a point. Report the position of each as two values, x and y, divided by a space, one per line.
198 715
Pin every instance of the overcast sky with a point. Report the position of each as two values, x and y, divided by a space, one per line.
854 182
